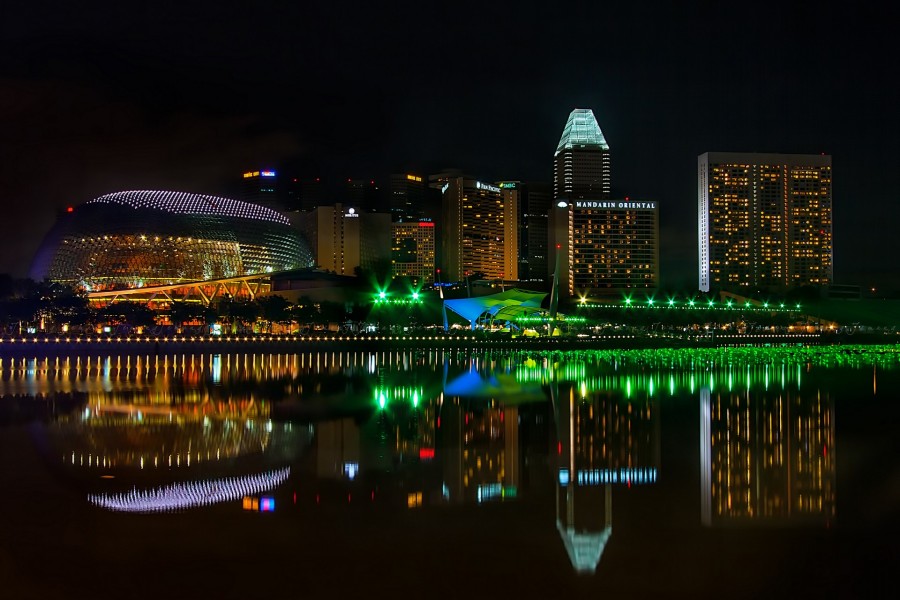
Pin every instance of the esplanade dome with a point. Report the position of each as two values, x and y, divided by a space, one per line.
143 238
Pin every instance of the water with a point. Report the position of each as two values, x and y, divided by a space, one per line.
647 473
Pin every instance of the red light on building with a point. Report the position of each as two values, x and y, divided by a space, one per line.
422 224
70 209
426 453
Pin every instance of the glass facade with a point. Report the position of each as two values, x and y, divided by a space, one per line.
140 239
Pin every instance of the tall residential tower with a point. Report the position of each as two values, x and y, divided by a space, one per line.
764 220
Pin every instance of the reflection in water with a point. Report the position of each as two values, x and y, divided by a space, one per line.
766 457
605 440
415 429
192 494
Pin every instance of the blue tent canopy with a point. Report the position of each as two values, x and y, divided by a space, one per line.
472 309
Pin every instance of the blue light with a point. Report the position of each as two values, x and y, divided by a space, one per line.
267 173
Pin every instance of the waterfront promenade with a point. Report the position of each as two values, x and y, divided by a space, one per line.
176 344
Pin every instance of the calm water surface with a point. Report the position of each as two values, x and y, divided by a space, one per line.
742 472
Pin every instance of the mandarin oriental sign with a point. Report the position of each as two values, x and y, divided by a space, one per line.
621 204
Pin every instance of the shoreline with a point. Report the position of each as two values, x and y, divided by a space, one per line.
53 346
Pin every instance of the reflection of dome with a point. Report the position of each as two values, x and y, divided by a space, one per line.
154 440
191 494
143 238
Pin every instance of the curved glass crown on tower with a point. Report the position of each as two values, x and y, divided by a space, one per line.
145 238
581 130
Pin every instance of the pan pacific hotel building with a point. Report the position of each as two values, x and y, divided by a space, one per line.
598 244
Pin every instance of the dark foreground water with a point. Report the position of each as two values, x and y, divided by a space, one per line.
719 473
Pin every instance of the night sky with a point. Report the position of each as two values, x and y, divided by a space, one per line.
186 96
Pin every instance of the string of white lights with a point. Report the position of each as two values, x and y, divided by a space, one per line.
191 204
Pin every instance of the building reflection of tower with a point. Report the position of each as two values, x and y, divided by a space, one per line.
337 445
481 451
766 458
604 441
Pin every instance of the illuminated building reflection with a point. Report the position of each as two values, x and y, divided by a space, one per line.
766 458
605 439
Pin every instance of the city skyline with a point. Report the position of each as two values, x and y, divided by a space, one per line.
101 100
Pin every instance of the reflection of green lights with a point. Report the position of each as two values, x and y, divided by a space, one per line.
601 371
416 398
382 400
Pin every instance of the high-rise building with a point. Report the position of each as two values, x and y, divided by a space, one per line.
581 161
478 228
412 254
601 244
407 197
304 194
261 188
343 238
363 194
534 207
764 220
532 201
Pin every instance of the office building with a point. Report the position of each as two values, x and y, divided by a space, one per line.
364 194
765 220
412 252
304 194
534 206
408 193
261 188
343 238
581 163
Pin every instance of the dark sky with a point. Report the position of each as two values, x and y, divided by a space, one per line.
97 98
